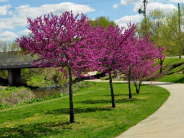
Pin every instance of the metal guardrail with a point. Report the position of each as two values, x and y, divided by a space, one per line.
13 58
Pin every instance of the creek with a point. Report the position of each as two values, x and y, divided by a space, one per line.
49 91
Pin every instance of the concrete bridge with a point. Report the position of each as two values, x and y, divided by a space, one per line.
13 63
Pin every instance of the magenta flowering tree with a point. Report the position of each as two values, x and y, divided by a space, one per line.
143 72
115 47
66 41
128 53
112 37
142 65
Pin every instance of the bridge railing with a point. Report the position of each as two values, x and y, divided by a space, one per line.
13 58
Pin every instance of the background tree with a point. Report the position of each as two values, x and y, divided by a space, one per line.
103 21
156 22
143 28
172 26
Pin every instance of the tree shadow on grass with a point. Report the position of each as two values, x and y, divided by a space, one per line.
136 94
115 95
35 130
77 110
122 100
181 80
117 83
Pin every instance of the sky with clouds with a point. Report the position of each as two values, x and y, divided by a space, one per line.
14 13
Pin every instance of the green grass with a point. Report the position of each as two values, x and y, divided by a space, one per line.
11 96
171 73
173 70
38 81
170 61
176 78
9 89
93 113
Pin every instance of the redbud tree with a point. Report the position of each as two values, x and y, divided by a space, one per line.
144 68
142 65
67 41
115 47
128 53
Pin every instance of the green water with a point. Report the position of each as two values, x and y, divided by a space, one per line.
42 93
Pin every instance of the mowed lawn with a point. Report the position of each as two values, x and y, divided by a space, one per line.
94 116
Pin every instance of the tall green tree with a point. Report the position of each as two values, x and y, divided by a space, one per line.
103 21
156 24
153 25
174 19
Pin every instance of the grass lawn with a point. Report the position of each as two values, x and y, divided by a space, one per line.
173 69
93 113
176 78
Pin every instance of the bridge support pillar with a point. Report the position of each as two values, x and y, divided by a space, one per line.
14 76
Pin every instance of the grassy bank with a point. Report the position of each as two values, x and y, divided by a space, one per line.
16 96
173 71
93 113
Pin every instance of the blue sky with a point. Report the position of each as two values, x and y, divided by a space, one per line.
14 13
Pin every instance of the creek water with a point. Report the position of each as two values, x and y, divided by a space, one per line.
54 89
42 93
47 91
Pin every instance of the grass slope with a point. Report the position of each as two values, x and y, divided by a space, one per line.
93 113
173 69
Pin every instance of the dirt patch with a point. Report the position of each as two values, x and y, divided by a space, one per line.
16 97
3 87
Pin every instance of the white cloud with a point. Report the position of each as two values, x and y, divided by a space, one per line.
126 2
4 9
160 0
24 32
10 12
11 23
176 1
155 5
26 10
135 2
127 19
150 5
5 36
115 6
163 7
3 0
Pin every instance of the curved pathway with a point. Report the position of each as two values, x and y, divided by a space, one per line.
167 121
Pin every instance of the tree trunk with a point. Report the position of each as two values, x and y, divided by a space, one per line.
135 84
72 119
129 87
137 90
139 86
112 92
180 54
79 78
161 62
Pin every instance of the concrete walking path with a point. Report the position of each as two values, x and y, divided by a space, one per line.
167 121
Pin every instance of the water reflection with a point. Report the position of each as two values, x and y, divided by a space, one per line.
43 93
48 91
